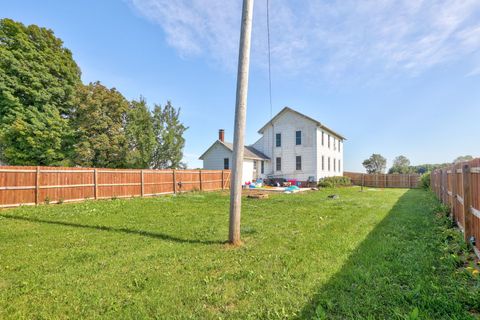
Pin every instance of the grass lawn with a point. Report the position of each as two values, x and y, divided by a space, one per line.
380 254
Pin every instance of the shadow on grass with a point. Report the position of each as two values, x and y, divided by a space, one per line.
149 234
392 272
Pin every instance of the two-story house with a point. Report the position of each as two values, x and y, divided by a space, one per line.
292 146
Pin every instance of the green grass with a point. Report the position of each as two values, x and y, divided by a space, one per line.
371 255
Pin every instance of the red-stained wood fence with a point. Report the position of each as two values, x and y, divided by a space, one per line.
458 186
36 185
384 180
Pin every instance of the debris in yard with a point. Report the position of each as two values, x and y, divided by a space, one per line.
314 189
334 196
258 196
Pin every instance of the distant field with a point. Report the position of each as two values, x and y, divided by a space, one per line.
378 254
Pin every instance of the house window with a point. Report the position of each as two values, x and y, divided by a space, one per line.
298 163
323 163
334 165
226 163
329 141
329 164
339 145
339 166
262 167
334 144
278 140
278 164
323 138
298 138
254 165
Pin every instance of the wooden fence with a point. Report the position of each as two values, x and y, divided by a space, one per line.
458 186
35 185
384 180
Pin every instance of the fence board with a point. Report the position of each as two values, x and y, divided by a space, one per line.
27 185
384 180
451 191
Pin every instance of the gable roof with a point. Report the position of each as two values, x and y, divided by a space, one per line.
248 153
287 109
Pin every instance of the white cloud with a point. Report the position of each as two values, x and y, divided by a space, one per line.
331 38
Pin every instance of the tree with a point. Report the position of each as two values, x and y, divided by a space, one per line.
463 159
140 135
375 164
99 120
401 164
38 77
168 151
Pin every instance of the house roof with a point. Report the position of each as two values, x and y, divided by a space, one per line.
318 123
248 153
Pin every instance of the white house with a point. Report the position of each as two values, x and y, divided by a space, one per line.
292 146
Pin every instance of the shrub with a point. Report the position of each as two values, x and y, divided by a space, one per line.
332 182
425 180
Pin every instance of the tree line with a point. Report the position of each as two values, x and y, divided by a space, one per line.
49 117
376 163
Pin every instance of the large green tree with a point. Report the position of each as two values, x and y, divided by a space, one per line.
38 77
375 164
401 164
99 120
168 128
140 135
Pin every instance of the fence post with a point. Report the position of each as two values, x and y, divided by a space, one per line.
142 183
174 181
467 202
37 185
95 184
223 183
200 176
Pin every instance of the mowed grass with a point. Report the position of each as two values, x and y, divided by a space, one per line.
378 254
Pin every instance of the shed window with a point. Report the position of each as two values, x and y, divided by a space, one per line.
278 140
226 163
298 138
262 167
278 164
298 162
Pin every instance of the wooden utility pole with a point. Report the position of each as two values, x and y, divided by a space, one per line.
239 127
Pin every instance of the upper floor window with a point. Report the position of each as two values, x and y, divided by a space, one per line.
298 163
339 145
278 164
329 138
334 144
323 138
278 140
298 138
226 163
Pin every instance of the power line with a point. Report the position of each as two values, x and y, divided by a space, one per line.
269 60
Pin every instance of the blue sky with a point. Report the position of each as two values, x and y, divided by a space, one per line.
394 77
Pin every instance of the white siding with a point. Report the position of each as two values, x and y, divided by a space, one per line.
213 160
333 153
287 124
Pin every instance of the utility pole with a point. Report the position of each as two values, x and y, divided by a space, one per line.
239 127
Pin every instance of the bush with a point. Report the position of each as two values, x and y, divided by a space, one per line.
425 180
332 182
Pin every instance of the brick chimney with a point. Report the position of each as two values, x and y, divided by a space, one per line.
221 135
